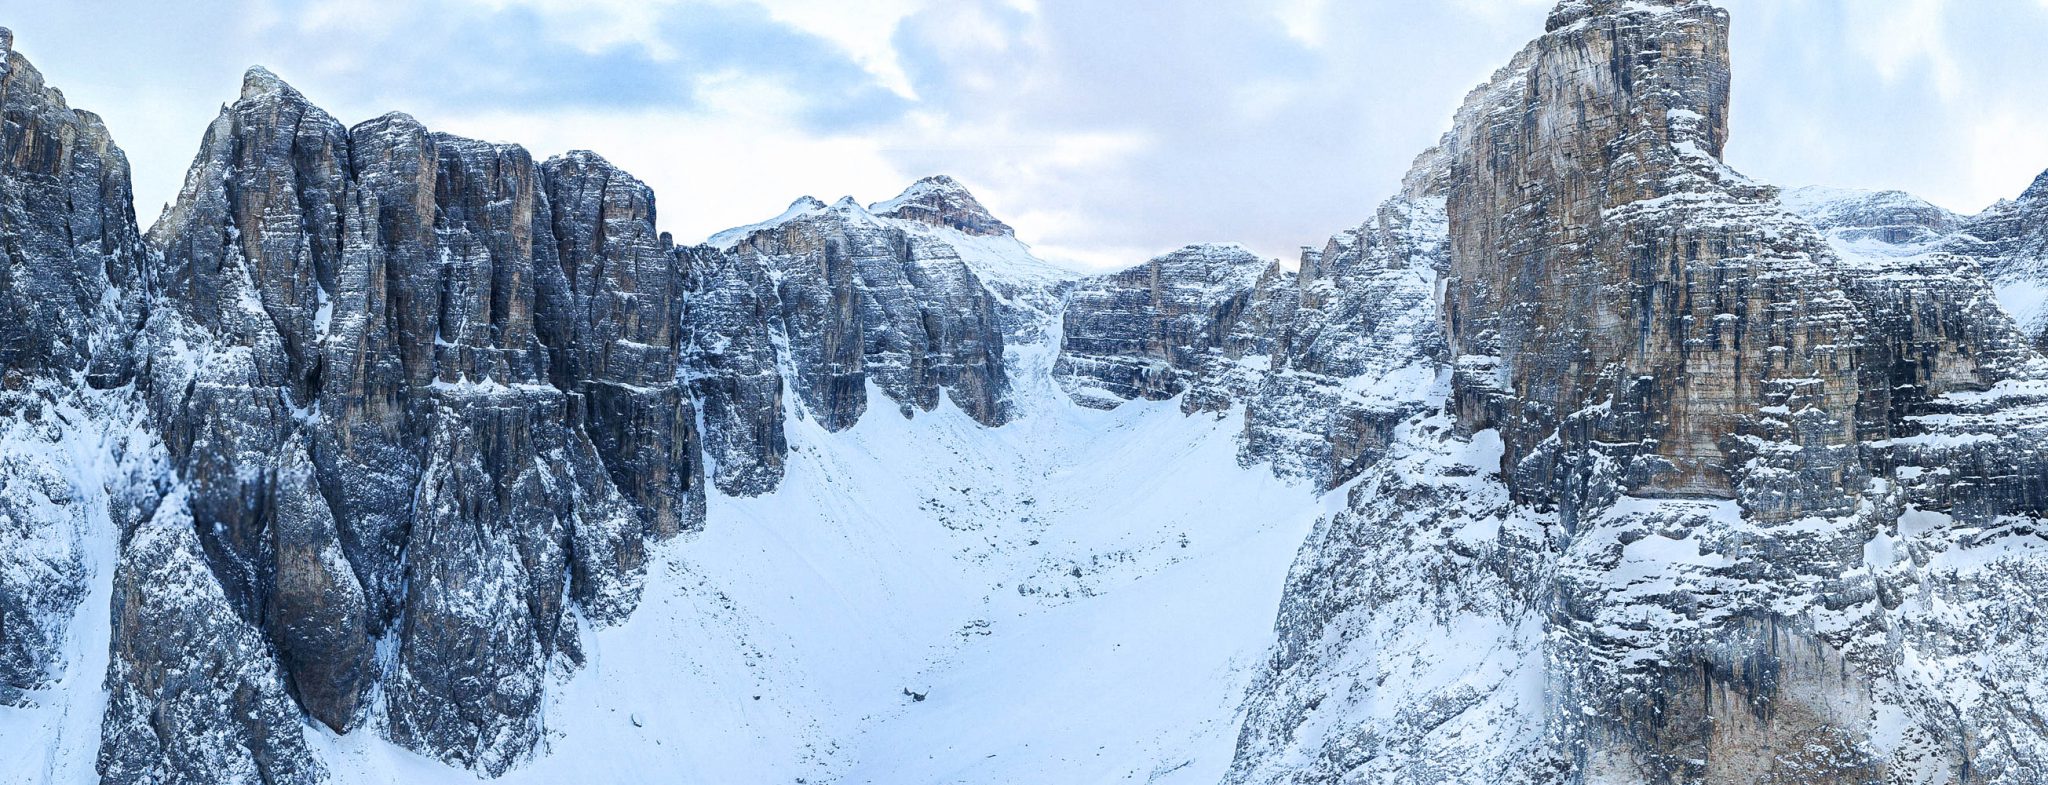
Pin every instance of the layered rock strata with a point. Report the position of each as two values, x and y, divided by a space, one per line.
864 300
1153 331
1693 478
72 278
408 409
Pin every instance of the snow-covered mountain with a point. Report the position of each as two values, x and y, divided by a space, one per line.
387 455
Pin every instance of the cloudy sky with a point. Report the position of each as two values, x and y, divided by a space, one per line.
1105 130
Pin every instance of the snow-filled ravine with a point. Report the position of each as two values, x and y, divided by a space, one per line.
1080 596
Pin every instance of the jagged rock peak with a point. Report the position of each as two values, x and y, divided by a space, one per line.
2038 190
259 81
1890 217
1154 330
583 158
1569 12
803 206
940 200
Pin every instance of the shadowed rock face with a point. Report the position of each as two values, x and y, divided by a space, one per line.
71 258
1154 330
385 342
1698 478
71 295
625 331
863 300
942 201
734 314
193 696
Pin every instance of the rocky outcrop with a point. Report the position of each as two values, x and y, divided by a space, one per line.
922 295
2010 241
1656 345
1694 472
71 257
1359 353
1155 330
381 344
193 694
622 350
1325 360
735 369
942 201
72 266
863 300
232 359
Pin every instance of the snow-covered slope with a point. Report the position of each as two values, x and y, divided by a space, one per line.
1610 465
1079 596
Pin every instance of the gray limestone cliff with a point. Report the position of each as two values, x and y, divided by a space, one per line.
2010 241
1155 330
418 389
1325 360
72 283
863 300
1650 473
1695 478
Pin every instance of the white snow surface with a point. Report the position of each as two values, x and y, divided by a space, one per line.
1080 596
999 258
2027 301
91 442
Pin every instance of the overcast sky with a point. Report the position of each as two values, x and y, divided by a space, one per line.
1106 131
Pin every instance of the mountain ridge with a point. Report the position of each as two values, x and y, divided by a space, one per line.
1604 465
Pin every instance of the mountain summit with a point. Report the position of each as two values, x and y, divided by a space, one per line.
940 200
390 455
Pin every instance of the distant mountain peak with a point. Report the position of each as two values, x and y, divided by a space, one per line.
1891 218
940 200
1568 12
259 81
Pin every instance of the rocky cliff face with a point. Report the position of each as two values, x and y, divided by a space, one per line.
418 389
2010 241
1666 484
1325 360
1158 329
1653 473
1359 351
863 300
72 267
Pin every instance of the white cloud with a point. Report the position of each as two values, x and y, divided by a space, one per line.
1307 20
596 25
2005 149
864 30
1105 132
1900 35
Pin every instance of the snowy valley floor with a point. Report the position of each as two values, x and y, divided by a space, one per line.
1080 596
